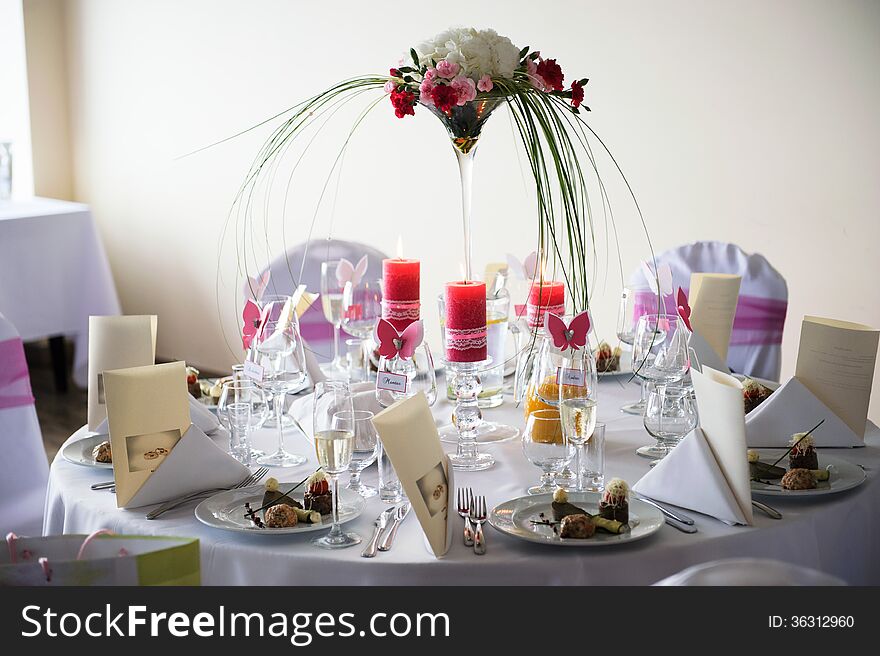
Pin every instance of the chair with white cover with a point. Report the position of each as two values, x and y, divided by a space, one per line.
756 338
284 279
749 572
24 469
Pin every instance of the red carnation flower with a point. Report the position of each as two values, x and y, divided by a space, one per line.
577 94
551 73
444 96
403 102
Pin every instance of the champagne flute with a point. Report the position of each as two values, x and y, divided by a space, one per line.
634 302
577 404
279 351
331 303
361 311
334 430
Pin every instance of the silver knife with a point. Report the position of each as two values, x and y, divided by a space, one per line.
379 526
684 528
402 512
674 514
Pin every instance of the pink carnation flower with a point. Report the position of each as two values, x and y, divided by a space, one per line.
465 88
447 69
536 80
425 89
485 84
390 86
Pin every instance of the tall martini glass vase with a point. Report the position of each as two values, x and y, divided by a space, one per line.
464 124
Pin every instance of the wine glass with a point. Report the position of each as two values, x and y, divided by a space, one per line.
331 303
365 449
545 446
279 351
242 391
634 302
668 417
334 443
577 404
361 311
660 356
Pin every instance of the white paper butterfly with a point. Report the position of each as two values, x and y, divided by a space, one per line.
664 275
257 286
525 270
347 272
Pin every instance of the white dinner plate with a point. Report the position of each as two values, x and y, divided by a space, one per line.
514 518
226 511
80 452
488 432
844 476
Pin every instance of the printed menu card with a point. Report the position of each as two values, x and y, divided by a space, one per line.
116 343
713 298
836 363
409 437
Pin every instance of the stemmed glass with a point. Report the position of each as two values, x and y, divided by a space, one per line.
334 430
577 403
279 351
331 303
365 449
669 416
660 356
361 311
234 394
634 301
546 446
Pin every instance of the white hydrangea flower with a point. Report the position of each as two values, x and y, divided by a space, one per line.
478 52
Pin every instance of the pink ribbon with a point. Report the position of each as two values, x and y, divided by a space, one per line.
535 313
758 321
393 310
15 382
466 339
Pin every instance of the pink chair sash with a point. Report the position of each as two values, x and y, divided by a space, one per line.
15 382
758 321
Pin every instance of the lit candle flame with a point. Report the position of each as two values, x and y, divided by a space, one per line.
461 271
399 247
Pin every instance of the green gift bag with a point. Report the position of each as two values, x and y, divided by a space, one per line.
101 558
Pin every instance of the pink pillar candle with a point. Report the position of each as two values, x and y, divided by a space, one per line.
465 321
400 293
544 296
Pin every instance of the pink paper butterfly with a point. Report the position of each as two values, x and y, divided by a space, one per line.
573 336
252 320
684 310
392 343
347 272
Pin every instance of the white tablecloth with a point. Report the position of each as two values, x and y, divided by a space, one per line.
54 273
839 534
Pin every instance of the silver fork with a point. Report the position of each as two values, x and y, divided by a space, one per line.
174 503
478 516
465 500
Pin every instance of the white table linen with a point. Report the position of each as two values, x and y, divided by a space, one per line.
839 535
54 273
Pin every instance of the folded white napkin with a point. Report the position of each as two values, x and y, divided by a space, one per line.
194 464
793 409
690 477
199 415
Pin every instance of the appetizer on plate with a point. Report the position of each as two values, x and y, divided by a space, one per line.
803 466
192 382
607 358
754 394
572 522
102 452
317 496
280 510
615 501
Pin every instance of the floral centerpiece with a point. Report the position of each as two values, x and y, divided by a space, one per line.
461 76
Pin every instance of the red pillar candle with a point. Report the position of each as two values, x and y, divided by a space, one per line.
465 321
400 293
544 296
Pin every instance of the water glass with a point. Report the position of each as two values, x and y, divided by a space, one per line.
545 446
361 311
390 488
243 390
593 473
239 418
670 414
365 449
354 349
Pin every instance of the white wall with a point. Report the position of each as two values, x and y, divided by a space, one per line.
751 122
14 120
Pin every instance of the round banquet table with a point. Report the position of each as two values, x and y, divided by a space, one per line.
838 534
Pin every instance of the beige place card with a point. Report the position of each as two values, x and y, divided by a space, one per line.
147 412
116 343
713 298
836 362
409 437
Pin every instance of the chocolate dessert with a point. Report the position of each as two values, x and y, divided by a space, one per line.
280 516
102 452
803 455
192 382
318 495
562 508
754 394
762 470
607 359
799 479
576 526
615 501
273 496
